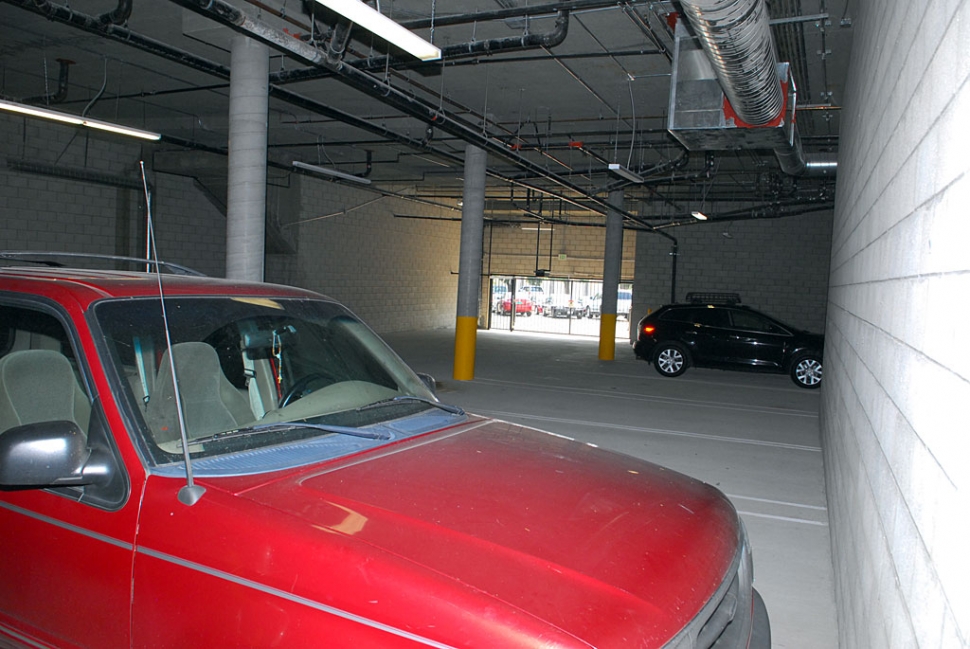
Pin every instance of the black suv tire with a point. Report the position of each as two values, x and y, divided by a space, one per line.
670 359
806 371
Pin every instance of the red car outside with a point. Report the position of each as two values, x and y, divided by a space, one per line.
523 306
252 466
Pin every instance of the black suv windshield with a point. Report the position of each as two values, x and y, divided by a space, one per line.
245 364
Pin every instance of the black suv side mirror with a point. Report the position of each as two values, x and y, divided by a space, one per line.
49 454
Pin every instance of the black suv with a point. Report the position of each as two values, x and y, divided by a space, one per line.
715 330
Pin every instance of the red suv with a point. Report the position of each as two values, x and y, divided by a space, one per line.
249 465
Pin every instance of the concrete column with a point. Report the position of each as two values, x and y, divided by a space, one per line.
470 262
612 263
246 200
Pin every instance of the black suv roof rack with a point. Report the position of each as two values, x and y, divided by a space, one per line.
45 258
714 298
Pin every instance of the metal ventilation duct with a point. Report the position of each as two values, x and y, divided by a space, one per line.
728 91
737 38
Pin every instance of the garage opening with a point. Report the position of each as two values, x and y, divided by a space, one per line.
549 305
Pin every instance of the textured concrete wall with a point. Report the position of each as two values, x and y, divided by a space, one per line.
897 362
395 273
72 212
565 251
779 266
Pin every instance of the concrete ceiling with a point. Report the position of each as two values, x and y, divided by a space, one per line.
552 116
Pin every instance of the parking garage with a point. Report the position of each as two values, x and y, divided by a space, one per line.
852 225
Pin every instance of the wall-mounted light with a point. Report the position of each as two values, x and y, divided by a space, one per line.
625 173
75 120
374 21
326 171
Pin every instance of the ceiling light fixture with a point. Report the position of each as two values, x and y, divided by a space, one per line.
324 171
625 173
700 216
374 21
76 120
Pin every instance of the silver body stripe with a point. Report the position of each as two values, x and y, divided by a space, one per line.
247 583
16 635
83 531
269 590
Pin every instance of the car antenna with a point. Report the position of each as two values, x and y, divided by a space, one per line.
191 492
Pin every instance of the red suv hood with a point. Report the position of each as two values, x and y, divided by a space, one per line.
588 541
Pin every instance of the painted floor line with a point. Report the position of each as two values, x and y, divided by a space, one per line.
654 431
787 519
777 502
638 397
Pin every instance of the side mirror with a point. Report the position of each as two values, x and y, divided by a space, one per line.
47 454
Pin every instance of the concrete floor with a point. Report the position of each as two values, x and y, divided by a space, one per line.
755 437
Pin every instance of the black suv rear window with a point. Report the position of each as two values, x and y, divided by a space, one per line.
678 315
702 315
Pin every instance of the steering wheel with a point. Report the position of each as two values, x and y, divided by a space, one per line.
302 387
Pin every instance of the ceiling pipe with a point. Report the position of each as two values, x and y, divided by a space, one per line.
58 95
533 11
493 46
94 25
228 15
474 51
763 211
821 164
647 30
337 47
91 24
448 53
119 15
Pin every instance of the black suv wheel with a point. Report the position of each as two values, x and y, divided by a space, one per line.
670 359
806 372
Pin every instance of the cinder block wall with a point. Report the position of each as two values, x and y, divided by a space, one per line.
896 436
188 228
397 274
58 213
779 266
73 212
574 252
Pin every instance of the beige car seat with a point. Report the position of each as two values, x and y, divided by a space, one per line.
210 403
39 385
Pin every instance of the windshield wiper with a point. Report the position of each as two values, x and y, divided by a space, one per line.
455 410
259 429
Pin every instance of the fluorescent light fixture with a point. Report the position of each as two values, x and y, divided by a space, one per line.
700 216
325 171
376 22
75 120
625 173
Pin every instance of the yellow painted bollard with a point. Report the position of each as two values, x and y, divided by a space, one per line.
607 336
466 330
